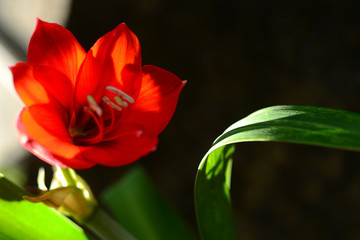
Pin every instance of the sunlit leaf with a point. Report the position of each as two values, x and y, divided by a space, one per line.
295 124
21 219
212 195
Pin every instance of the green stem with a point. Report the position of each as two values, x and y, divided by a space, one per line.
98 222
69 175
106 227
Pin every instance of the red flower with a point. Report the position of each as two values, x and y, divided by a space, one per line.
101 107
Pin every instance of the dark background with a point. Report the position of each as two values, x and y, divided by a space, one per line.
239 57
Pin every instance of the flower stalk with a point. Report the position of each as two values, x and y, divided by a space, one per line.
104 226
94 218
72 196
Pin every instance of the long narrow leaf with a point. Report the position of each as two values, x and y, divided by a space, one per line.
296 124
212 195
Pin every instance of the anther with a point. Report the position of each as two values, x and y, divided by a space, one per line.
119 101
111 104
93 105
120 93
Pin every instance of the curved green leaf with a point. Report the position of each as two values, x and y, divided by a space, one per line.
212 195
21 219
296 124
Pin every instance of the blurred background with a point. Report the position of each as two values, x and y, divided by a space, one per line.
238 57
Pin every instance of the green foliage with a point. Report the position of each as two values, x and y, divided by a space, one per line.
212 195
295 124
142 211
22 219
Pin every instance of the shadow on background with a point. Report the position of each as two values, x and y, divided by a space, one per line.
239 57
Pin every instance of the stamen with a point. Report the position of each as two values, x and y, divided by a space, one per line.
99 124
119 101
112 107
87 136
111 104
120 93
93 105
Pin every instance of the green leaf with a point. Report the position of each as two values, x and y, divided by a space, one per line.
142 211
295 124
212 195
21 219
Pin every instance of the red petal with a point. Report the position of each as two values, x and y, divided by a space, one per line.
119 52
55 46
92 80
157 99
29 89
121 151
38 84
48 147
52 118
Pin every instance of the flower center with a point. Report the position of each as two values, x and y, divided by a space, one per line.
99 119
